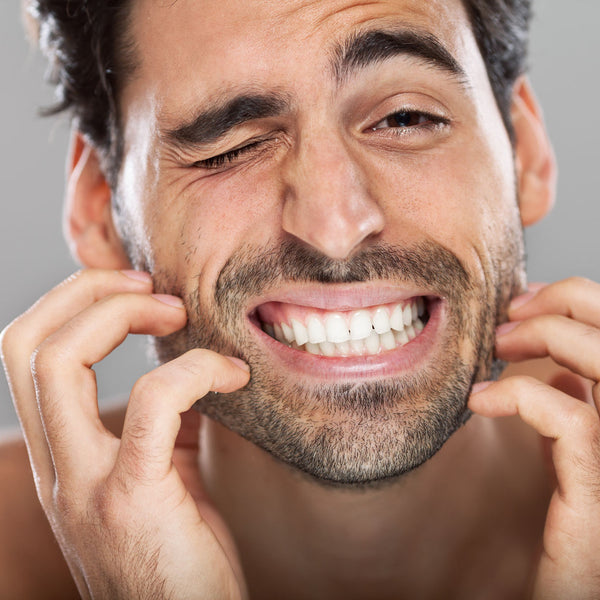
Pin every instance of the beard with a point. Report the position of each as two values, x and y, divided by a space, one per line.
351 433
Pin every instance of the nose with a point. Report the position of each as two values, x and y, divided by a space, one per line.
327 202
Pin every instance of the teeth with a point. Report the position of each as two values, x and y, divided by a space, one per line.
336 328
381 320
357 347
278 331
327 348
312 348
362 332
401 338
407 315
360 325
288 333
396 320
300 333
316 331
388 341
372 343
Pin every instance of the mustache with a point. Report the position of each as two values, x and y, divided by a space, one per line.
250 271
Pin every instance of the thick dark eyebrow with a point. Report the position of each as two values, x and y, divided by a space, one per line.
215 121
369 47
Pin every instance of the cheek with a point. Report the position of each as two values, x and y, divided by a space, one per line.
209 221
462 198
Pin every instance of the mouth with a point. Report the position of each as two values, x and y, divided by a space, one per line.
368 331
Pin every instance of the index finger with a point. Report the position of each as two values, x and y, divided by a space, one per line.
577 298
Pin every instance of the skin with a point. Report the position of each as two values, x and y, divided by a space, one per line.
134 515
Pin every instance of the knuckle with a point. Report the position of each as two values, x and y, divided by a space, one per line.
577 281
584 421
44 358
147 387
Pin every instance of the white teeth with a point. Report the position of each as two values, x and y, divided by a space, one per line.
360 325
396 320
368 332
278 331
300 333
327 348
336 328
407 315
381 320
316 331
288 333
372 343
388 341
401 338
312 348
357 346
343 349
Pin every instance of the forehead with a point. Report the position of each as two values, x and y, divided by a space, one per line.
188 49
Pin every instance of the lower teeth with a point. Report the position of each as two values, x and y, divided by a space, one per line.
374 344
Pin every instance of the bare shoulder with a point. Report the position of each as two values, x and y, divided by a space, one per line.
31 564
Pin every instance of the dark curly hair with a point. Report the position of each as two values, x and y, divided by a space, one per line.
91 55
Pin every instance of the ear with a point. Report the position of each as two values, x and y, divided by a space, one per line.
87 220
534 156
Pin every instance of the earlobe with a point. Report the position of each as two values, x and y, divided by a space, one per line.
534 156
87 220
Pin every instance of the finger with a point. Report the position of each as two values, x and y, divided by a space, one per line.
577 298
65 383
573 425
570 343
159 398
24 334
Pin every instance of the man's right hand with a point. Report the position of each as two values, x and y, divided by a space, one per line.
130 524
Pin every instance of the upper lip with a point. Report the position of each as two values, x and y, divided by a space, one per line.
340 297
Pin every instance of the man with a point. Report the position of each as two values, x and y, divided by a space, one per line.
315 208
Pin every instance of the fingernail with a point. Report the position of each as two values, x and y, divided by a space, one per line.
239 363
479 387
137 275
168 299
506 328
532 290
522 299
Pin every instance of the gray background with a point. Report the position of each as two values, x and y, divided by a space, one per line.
565 67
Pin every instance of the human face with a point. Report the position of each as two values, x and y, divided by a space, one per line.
291 164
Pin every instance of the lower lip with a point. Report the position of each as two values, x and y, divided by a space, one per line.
386 364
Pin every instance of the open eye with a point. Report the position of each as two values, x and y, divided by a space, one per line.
405 119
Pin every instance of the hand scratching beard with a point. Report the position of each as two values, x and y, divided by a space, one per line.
350 432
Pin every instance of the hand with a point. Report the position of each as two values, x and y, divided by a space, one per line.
562 321
130 524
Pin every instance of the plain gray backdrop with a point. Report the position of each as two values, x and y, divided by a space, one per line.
565 69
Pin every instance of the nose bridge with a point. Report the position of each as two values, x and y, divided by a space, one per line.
327 202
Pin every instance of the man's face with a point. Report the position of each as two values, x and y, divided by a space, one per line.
333 171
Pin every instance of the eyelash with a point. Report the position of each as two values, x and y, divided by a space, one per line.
214 162
432 121
226 158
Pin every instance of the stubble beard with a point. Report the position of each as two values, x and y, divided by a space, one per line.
353 433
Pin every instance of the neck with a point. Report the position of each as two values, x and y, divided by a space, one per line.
431 533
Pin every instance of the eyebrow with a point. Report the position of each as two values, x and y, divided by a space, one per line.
213 123
371 47
358 52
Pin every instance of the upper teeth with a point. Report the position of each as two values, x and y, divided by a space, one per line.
359 332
